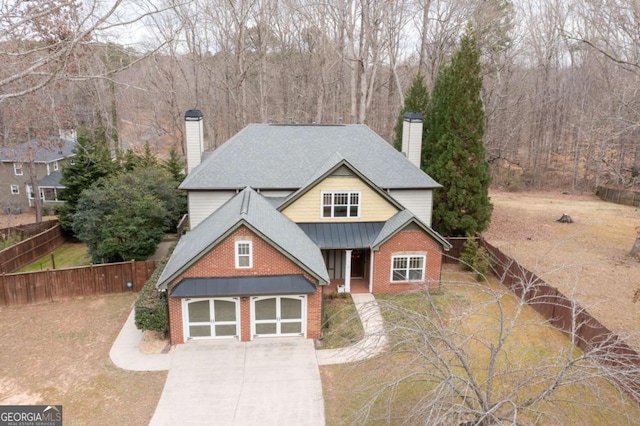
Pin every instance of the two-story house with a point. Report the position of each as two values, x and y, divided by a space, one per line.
281 215
38 159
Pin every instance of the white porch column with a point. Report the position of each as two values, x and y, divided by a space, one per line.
347 271
371 273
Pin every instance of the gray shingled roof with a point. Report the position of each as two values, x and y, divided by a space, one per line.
399 221
52 180
38 150
251 209
287 156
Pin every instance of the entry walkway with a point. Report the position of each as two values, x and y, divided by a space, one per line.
374 340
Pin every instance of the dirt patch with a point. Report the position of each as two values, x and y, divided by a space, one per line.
588 260
58 353
154 342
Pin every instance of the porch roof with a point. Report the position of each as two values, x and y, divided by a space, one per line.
243 286
342 235
51 181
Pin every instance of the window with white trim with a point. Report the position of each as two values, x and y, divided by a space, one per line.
15 189
17 169
244 255
56 166
341 204
408 268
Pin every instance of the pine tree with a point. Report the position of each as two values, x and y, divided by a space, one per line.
453 150
91 162
175 165
416 100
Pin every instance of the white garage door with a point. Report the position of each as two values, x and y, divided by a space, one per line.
211 318
278 316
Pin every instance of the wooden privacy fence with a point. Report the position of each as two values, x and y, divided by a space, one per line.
23 253
51 285
568 316
27 230
627 197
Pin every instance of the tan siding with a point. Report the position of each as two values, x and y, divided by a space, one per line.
203 203
417 201
373 208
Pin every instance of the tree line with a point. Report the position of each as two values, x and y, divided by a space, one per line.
558 76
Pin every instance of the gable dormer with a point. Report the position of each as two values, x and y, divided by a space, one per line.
339 193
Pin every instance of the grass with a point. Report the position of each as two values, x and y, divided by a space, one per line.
68 255
59 354
392 388
11 240
342 326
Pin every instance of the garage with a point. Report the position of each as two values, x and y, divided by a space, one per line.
211 318
271 305
273 316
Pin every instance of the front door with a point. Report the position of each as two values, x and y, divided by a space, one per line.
210 318
357 263
278 316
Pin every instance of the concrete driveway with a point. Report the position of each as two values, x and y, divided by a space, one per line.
263 382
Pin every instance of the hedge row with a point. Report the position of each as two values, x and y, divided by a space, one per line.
152 312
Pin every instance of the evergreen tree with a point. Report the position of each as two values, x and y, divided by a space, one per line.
118 222
416 100
175 165
91 162
453 150
131 160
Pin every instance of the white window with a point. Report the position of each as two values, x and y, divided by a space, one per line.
17 169
29 191
341 204
408 268
55 166
15 189
244 258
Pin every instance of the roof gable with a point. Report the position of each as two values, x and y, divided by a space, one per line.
268 156
336 166
399 222
249 209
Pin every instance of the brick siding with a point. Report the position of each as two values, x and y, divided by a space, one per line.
220 262
407 243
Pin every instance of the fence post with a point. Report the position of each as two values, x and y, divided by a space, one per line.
134 279
49 287
3 297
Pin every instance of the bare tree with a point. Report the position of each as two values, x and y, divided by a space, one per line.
462 355
41 42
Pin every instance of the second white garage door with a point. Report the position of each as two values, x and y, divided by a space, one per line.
278 316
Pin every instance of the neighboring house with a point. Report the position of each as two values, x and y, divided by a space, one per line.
281 215
48 156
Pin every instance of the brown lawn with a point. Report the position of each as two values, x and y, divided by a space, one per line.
587 260
58 353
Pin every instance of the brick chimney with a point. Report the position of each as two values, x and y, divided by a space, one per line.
412 137
194 136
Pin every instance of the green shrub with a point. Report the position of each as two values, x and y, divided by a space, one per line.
475 258
152 311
